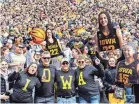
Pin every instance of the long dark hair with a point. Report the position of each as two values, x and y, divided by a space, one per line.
52 34
110 26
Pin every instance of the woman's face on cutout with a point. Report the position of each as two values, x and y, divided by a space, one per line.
103 20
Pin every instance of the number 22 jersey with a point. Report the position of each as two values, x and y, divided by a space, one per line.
53 48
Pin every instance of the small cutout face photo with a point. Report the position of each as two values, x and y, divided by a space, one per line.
103 20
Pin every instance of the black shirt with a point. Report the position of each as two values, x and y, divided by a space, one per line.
109 77
23 87
65 82
85 80
47 86
53 48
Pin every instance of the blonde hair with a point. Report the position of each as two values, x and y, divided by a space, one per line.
81 56
114 59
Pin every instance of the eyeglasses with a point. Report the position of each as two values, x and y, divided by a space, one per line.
65 63
48 58
81 62
4 64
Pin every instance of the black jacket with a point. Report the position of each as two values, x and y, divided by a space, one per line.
3 85
109 78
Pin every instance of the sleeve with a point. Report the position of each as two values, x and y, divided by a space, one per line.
13 76
38 84
106 76
100 70
76 82
117 68
56 73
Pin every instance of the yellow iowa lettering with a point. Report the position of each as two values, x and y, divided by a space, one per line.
66 84
26 85
125 70
107 41
113 41
48 76
52 46
81 80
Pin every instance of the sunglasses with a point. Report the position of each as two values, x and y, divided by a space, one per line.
65 63
46 58
81 62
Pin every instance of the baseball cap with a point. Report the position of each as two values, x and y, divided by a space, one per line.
64 59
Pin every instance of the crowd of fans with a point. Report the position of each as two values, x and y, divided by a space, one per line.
72 25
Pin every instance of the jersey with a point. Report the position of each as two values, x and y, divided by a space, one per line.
53 48
92 52
65 82
46 75
110 42
127 73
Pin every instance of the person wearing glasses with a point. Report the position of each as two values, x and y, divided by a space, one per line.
46 75
37 57
87 88
54 47
128 72
65 79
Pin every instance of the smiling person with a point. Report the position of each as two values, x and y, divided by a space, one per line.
65 79
46 75
108 38
128 72
110 75
87 88
37 57
25 82
4 81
